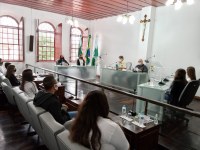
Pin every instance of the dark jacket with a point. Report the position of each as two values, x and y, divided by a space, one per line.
175 91
61 60
50 103
78 62
142 67
13 80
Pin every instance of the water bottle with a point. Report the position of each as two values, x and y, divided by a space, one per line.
117 67
156 119
124 110
141 120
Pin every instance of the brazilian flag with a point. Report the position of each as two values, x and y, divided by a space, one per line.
95 56
80 52
87 55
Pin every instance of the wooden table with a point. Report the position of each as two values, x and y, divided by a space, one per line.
139 138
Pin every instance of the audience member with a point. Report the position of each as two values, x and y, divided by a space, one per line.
121 63
99 131
177 86
1 66
27 85
6 66
10 74
61 60
49 101
191 73
80 61
141 67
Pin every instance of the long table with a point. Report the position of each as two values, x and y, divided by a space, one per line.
83 72
125 80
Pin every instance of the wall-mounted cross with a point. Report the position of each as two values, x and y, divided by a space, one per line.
145 21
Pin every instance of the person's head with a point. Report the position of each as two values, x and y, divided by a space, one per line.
50 84
7 64
61 56
121 58
1 62
140 61
94 105
27 75
180 75
191 73
81 56
10 70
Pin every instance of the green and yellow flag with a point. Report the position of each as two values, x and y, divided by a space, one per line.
87 55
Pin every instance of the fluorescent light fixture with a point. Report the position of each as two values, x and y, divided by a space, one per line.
131 19
169 2
119 18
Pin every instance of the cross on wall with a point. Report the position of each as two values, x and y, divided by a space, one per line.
145 21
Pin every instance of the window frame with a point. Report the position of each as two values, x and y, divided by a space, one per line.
18 39
54 32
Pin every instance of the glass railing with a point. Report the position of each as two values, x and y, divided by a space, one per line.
179 127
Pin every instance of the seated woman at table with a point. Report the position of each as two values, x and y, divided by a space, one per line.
99 131
177 86
10 74
27 85
80 61
191 73
121 63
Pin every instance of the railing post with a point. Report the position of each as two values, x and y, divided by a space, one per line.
58 78
76 90
26 66
34 70
146 106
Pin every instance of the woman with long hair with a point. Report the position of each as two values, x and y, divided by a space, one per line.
10 74
177 86
93 129
27 85
191 73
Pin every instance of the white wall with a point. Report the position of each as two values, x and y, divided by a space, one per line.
30 15
176 42
117 39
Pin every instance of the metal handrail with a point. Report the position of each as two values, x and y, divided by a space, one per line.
190 112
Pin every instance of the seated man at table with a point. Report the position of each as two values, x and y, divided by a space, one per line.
80 61
49 101
141 67
61 60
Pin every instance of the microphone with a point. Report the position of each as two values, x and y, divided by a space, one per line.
147 60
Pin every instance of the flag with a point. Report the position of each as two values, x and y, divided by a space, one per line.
96 53
80 48
87 55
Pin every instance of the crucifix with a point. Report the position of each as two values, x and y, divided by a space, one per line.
145 21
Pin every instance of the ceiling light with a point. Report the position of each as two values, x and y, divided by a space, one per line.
126 17
169 2
119 18
76 24
190 2
70 22
131 19
178 4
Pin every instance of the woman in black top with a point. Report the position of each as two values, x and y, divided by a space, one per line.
177 86
10 74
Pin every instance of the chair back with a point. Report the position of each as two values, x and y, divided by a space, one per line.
6 80
9 93
50 129
35 122
66 144
129 66
188 93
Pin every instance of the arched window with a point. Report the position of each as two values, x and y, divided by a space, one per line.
46 42
75 42
11 39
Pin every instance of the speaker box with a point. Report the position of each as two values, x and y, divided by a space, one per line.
31 40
